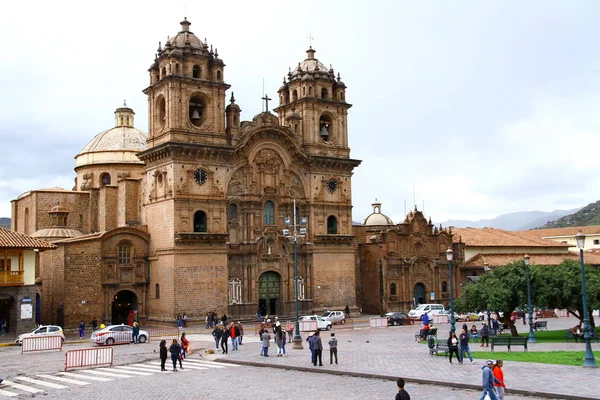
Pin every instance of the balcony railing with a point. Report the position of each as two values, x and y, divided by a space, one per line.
12 278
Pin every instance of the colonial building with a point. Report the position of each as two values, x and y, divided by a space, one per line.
200 214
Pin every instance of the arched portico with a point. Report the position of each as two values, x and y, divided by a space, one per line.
124 307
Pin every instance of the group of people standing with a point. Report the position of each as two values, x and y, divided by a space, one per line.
221 333
315 344
178 350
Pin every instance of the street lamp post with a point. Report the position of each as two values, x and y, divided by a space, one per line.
588 360
297 339
526 259
449 254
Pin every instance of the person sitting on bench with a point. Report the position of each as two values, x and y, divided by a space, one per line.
577 333
424 332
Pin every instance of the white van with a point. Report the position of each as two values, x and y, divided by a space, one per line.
417 313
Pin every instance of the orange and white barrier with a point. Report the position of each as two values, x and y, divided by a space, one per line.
88 357
41 343
308 326
380 322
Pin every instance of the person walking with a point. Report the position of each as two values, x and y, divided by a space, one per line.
81 330
333 343
280 341
217 336
453 346
485 335
179 322
94 324
266 337
224 337
163 354
234 332
135 333
318 349
241 329
402 394
289 329
464 346
425 319
175 350
488 381
184 320
499 375
186 347
347 312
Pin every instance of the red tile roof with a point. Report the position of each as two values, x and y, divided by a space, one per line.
491 237
570 231
498 260
13 240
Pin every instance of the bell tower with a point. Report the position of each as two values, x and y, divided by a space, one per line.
312 102
186 96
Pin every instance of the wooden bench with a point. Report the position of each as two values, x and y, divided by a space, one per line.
540 326
509 341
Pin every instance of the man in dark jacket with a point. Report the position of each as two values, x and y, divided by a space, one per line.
485 335
488 381
317 348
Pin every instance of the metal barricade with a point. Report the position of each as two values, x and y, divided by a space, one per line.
380 322
561 313
439 319
163 333
41 343
89 357
308 326
349 324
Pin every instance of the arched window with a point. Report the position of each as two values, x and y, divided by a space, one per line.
310 90
233 211
200 221
105 179
196 72
176 68
162 112
196 110
325 127
393 289
269 213
124 253
294 95
444 287
157 291
164 73
331 225
323 93
218 75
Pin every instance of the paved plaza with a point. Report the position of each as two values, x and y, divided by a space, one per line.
369 362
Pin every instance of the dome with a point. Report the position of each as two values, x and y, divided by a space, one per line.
116 145
56 233
376 217
185 38
232 106
310 65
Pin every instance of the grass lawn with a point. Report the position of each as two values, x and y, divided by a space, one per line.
550 336
546 357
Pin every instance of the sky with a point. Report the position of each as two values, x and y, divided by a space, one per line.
468 109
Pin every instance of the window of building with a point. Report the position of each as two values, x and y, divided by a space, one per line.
233 211
105 179
196 110
176 68
325 127
196 72
164 73
332 225
269 213
218 75
200 221
124 254
294 95
444 287
235 291
157 291
3 266
323 93
596 241
393 289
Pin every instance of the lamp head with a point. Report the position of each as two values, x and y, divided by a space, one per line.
580 237
449 254
526 259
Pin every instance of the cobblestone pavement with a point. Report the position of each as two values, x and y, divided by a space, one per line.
369 362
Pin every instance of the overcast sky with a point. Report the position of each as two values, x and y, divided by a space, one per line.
483 107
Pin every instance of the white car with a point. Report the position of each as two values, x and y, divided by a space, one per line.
43 330
117 334
322 324
337 317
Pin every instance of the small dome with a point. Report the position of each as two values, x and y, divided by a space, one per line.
186 38
232 106
57 233
293 115
377 218
310 65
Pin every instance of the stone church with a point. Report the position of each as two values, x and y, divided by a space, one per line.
203 212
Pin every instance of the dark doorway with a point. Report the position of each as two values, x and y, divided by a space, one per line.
38 309
269 293
419 294
124 307
6 303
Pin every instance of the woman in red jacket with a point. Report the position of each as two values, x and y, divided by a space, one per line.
499 374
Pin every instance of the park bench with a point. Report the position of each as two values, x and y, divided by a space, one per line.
540 325
509 341
435 346
569 335
432 332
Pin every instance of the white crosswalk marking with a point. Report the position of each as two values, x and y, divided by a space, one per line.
146 368
21 387
66 380
80 376
7 393
208 364
41 383
103 373
131 371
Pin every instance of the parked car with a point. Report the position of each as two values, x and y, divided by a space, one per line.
116 334
443 312
43 330
472 316
321 323
396 318
417 312
336 317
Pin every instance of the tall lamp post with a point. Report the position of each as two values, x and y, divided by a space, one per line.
526 259
449 254
298 230
588 360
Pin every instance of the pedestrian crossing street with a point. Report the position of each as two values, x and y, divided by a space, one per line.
38 384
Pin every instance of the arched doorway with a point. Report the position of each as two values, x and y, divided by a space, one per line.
124 308
419 294
269 293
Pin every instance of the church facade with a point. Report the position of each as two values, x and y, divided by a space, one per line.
205 212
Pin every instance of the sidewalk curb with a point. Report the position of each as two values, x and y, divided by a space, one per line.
394 378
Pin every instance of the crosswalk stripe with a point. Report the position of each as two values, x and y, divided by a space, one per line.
185 366
41 383
21 387
128 370
103 373
207 365
7 393
214 363
80 376
147 368
66 380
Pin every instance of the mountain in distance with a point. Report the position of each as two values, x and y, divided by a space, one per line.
517 221
5 223
588 215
